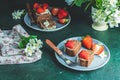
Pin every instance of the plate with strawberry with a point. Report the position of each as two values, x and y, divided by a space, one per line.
53 18
99 50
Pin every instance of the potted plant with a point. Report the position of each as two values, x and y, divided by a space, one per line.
104 12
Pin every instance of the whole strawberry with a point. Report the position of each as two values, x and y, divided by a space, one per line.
45 6
87 42
54 11
62 13
36 5
63 20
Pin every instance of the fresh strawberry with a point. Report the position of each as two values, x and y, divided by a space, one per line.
40 10
36 5
97 49
84 54
62 13
54 11
69 44
87 42
45 6
63 20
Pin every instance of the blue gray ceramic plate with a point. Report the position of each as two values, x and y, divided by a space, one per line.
37 27
97 63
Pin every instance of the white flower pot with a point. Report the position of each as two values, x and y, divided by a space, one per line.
99 23
99 26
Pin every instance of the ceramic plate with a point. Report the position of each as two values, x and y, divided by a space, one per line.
98 62
37 27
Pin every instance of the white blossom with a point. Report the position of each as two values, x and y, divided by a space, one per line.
117 16
17 14
29 50
113 3
110 13
32 46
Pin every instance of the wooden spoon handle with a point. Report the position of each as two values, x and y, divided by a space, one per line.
52 45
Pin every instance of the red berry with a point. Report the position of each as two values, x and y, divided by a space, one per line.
87 42
54 11
69 44
63 20
97 49
84 54
60 16
62 13
40 10
36 5
45 5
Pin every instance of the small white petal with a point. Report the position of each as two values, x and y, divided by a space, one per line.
103 55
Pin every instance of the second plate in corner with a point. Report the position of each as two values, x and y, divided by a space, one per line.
37 27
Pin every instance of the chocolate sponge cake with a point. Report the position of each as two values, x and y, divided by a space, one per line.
86 57
41 16
45 21
72 47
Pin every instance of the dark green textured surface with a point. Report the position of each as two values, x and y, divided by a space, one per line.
48 67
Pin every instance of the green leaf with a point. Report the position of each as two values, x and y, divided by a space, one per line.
24 40
21 45
98 3
78 2
88 5
118 4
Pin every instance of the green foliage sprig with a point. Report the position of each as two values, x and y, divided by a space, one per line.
24 40
94 3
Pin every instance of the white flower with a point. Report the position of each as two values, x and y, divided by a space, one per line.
107 12
39 43
110 13
17 14
117 16
29 50
113 24
32 46
32 41
113 2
